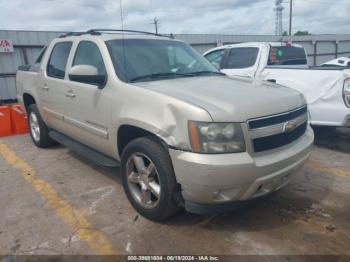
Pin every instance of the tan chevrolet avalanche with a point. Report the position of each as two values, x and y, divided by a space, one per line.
185 135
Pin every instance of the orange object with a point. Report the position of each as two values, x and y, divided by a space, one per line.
5 121
18 120
196 146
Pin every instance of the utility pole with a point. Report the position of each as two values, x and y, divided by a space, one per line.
290 16
156 22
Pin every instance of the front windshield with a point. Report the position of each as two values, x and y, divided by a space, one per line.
151 59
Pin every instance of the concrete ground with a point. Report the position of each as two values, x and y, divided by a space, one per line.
55 202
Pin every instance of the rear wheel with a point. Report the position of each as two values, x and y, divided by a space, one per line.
148 179
37 128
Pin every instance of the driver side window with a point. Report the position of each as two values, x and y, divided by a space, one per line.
216 57
242 57
88 53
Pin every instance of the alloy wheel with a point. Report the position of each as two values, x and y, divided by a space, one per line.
143 180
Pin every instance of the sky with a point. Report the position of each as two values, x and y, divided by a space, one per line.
179 16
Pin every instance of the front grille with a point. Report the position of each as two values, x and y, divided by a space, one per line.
271 120
271 142
270 132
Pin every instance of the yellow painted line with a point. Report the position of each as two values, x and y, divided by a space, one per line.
95 239
327 169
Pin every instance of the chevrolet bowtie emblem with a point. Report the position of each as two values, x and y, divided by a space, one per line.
289 126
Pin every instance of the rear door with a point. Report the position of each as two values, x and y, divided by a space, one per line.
51 90
88 108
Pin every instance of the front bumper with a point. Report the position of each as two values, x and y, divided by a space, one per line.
209 179
329 114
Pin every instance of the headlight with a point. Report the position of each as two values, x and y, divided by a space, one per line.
216 138
346 92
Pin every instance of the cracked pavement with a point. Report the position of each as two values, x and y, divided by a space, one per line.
309 216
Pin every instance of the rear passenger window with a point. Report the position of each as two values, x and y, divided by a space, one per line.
242 57
285 55
40 56
56 66
88 53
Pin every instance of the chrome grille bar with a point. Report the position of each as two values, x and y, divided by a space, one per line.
276 129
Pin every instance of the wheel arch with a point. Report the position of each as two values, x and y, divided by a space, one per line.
128 132
28 100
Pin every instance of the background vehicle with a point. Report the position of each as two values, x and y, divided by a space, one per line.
185 134
326 89
341 61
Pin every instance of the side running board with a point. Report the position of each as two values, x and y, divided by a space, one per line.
83 150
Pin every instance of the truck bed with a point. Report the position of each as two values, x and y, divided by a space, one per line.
322 90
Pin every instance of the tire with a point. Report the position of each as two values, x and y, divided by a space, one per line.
151 151
37 128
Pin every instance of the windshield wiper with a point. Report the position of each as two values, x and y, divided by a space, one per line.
206 72
173 74
157 76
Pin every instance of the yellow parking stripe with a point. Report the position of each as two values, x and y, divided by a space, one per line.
326 169
95 239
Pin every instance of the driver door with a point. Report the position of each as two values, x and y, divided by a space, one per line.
88 108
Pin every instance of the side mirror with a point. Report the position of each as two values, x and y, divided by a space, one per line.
87 74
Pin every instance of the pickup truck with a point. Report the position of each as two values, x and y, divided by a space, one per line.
184 134
338 62
326 89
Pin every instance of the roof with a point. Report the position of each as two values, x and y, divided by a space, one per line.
107 37
253 44
111 34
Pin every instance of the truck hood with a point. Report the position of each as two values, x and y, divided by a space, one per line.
229 99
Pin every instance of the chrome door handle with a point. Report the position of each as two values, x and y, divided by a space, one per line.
70 94
45 87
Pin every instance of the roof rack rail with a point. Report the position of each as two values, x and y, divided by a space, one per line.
98 31
71 34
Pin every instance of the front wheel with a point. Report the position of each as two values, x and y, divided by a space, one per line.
148 179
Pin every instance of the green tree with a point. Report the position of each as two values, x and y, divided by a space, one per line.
302 33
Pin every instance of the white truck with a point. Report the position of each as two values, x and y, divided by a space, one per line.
341 61
326 89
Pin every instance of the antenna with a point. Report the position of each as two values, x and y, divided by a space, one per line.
121 14
123 40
